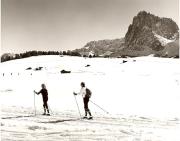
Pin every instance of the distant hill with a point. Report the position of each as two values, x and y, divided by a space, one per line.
102 47
148 34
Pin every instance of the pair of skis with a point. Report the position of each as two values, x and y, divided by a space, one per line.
87 118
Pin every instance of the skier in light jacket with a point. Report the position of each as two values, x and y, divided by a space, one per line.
85 100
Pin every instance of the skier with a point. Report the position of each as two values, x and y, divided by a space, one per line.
44 93
85 100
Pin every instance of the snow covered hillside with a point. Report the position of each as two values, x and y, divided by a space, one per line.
141 95
163 41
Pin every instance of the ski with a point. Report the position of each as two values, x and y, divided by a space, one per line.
46 114
90 118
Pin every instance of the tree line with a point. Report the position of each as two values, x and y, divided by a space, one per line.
7 56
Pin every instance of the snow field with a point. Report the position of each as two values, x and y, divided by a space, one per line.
141 95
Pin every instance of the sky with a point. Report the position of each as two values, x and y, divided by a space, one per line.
58 25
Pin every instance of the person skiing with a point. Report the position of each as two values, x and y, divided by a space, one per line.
44 93
85 100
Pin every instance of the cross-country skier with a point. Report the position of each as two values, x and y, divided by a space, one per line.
85 100
44 93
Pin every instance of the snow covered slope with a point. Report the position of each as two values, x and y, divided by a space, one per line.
163 41
141 95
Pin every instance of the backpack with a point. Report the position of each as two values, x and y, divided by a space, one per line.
88 93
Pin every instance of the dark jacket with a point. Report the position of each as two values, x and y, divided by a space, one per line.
44 93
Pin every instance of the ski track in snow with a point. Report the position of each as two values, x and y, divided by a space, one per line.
142 97
66 126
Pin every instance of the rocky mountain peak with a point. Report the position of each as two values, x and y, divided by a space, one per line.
141 32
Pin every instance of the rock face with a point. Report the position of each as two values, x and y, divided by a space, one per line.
171 49
148 34
141 33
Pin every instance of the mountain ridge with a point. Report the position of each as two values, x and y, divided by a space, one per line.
147 34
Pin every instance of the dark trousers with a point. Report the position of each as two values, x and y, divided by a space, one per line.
45 105
86 101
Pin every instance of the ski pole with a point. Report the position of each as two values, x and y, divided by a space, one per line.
77 106
99 107
34 104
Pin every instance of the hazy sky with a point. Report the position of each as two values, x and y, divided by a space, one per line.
69 24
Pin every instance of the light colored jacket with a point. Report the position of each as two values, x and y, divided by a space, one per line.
83 92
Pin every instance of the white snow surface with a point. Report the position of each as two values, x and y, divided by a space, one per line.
142 97
86 47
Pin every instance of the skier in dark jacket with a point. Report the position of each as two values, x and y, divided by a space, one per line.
85 100
44 93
